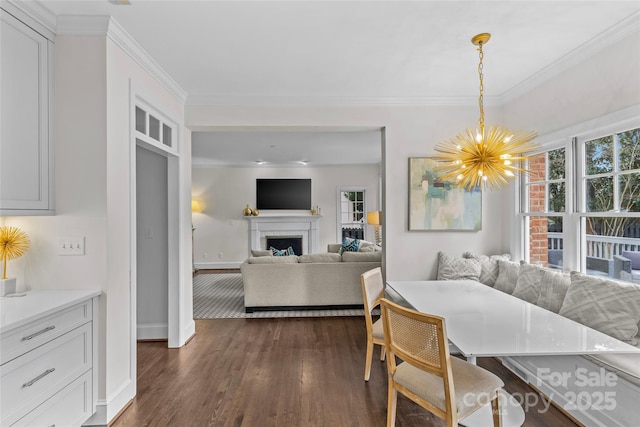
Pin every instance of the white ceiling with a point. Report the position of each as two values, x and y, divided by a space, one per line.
355 52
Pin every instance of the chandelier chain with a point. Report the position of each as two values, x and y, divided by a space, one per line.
481 98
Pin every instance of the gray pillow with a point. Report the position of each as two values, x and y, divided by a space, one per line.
451 268
489 266
507 276
608 306
528 283
553 290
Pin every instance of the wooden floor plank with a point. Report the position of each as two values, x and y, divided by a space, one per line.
278 372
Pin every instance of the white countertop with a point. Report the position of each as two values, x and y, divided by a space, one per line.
482 321
19 310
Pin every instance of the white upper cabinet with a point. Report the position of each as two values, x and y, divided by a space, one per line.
26 152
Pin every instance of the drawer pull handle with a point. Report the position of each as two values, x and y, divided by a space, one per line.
39 377
47 329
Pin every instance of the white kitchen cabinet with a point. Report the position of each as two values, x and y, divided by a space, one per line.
26 154
48 358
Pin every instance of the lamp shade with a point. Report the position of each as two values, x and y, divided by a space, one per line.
373 217
195 206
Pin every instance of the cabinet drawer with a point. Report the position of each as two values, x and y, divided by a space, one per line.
28 381
32 335
71 406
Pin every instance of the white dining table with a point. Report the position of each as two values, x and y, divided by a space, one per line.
484 322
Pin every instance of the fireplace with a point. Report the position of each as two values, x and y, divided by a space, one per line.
303 227
284 242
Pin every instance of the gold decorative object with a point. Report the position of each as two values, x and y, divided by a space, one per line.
477 156
13 244
255 212
247 211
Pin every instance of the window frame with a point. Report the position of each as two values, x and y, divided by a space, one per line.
572 139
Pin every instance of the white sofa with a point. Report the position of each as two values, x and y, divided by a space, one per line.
314 281
595 390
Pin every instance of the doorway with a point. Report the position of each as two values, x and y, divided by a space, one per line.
152 275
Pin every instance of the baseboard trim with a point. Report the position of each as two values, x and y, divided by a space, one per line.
152 331
216 265
304 307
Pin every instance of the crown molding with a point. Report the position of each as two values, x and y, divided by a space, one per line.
624 28
34 14
335 101
103 25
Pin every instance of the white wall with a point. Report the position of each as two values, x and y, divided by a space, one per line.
224 192
608 81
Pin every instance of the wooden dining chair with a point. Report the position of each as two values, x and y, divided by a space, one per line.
372 292
446 386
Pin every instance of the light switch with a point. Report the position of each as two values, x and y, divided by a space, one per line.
71 246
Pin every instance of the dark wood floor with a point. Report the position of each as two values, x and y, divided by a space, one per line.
278 372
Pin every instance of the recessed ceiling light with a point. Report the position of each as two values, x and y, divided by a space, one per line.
259 162
303 162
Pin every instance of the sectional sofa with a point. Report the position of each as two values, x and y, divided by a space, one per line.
312 281
599 390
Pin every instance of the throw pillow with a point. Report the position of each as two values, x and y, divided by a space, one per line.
507 276
451 268
278 252
489 266
553 290
608 306
365 246
528 283
349 245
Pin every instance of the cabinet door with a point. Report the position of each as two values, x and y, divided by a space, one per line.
24 118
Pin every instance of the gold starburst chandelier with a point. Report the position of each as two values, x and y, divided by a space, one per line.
478 156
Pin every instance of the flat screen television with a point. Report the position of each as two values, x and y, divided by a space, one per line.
293 194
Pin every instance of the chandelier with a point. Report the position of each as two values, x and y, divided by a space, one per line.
480 156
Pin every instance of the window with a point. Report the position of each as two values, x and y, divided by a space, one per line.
351 213
586 223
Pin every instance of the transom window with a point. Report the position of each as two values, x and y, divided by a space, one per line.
155 129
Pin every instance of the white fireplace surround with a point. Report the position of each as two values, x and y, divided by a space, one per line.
284 225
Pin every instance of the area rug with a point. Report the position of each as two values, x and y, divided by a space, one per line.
220 296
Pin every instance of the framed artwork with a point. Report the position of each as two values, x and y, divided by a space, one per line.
435 204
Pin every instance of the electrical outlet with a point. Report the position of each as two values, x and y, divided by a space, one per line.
220 255
71 246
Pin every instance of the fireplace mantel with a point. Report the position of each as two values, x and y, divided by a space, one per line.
306 226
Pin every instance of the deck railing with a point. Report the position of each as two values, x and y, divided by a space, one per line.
599 246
